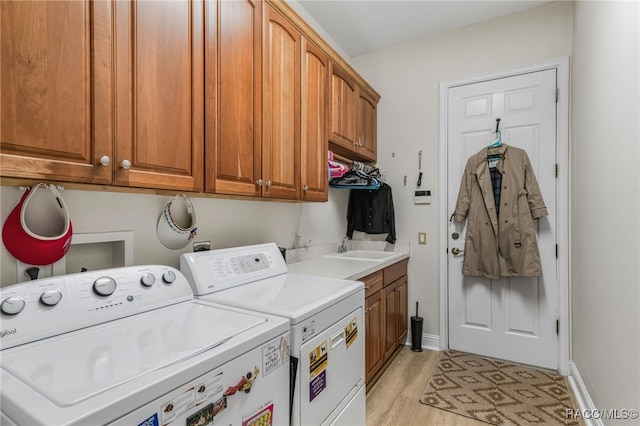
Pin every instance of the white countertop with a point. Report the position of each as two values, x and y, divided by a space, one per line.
353 269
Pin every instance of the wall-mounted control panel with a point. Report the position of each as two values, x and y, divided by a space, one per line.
422 197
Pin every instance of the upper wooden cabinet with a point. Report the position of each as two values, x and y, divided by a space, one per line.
63 95
353 117
343 109
367 140
237 97
314 122
159 94
233 97
56 83
280 106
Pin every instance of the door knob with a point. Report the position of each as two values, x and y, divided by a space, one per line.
126 164
305 188
105 160
259 182
456 251
268 183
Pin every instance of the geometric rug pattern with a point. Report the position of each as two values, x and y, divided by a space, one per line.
498 392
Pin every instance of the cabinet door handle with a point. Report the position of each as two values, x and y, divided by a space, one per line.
305 188
126 164
367 287
259 182
105 160
268 184
366 311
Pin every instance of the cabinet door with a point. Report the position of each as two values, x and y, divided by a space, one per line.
402 300
159 94
367 145
343 108
374 334
280 107
390 319
56 90
233 47
314 107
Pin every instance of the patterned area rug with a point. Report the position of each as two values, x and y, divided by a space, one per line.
498 392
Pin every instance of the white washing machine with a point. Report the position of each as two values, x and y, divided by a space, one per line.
327 327
131 346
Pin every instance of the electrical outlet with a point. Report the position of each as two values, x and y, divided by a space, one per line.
422 238
301 241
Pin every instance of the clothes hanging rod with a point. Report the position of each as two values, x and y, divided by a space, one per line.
342 159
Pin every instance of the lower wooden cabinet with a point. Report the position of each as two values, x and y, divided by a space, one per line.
386 316
374 325
395 296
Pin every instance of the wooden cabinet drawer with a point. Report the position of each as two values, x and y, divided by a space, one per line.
372 283
395 271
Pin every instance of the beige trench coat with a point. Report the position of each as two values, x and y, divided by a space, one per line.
505 245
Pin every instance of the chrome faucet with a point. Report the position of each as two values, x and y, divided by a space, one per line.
342 248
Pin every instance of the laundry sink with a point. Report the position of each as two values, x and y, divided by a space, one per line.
374 255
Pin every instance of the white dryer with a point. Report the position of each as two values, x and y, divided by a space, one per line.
131 346
327 327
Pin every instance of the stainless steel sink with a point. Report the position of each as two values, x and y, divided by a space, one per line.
377 256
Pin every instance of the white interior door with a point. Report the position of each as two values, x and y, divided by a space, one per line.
511 318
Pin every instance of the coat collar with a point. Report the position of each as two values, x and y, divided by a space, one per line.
483 154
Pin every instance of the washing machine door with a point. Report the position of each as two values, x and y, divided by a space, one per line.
331 369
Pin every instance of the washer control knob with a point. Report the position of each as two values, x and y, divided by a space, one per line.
50 297
12 305
148 280
104 286
169 277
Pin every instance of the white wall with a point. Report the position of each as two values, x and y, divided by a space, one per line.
408 78
605 249
225 223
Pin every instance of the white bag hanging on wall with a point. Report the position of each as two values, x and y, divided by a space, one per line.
177 223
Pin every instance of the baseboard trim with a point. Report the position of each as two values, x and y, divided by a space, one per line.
585 403
429 341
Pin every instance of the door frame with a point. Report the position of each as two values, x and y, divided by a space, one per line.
561 65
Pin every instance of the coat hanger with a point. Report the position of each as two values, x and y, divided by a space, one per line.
498 142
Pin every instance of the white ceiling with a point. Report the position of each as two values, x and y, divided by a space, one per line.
363 26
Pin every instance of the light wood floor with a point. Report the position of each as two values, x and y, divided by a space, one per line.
394 399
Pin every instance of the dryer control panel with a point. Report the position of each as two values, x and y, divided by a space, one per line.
216 270
51 306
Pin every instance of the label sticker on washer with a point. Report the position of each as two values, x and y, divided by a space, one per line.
317 385
261 416
203 417
351 331
173 409
318 360
151 421
274 354
209 390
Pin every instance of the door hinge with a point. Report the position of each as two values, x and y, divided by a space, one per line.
557 94
556 251
557 170
557 326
